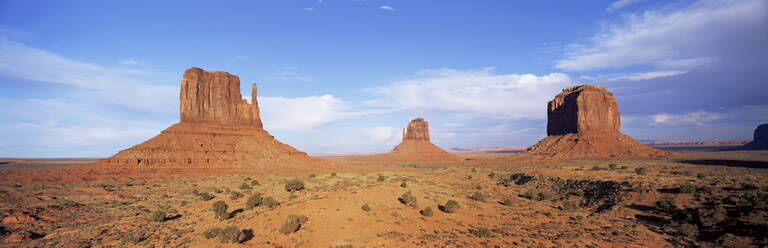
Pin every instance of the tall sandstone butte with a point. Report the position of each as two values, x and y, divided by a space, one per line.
415 147
760 140
218 129
584 121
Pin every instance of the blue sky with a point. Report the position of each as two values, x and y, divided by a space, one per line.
88 78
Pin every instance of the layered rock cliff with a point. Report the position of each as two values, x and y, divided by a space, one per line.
218 129
584 121
417 129
760 140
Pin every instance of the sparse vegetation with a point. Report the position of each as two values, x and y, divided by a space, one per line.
212 233
157 216
294 185
381 178
333 174
482 232
205 196
253 201
312 175
403 185
408 199
245 186
686 188
230 234
220 210
641 171
365 207
17 185
255 183
270 202
234 195
612 166
293 223
666 205
537 195
427 212
477 196
506 202
451 206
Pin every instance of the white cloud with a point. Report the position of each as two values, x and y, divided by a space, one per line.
244 57
309 9
303 113
634 76
621 4
387 8
682 38
291 74
483 92
698 118
129 61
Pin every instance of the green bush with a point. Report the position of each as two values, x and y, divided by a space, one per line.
157 216
712 217
612 166
235 195
701 175
253 201
641 171
491 175
686 188
212 233
506 202
408 199
477 196
270 202
294 185
451 206
597 167
688 230
231 234
537 195
206 197
482 232
245 186
624 167
255 183
293 223
666 205
17 185
381 178
220 209
366 208
427 212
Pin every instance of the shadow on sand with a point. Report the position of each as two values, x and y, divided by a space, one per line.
726 162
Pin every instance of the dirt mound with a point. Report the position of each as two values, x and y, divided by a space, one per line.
760 140
584 122
218 129
415 147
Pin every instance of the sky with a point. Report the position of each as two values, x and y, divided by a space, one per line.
89 78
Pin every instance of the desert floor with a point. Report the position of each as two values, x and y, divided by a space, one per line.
706 198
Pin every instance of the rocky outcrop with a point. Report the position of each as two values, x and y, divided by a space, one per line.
218 129
584 122
760 140
415 147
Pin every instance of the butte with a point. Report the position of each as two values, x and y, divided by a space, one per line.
760 140
584 122
218 129
415 147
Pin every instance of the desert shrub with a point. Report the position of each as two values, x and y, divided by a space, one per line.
365 207
451 206
218 191
537 195
312 175
205 196
686 188
426 212
641 171
666 205
333 174
293 223
491 175
478 187
473 170
570 205
294 185
624 167
597 167
689 230
270 202
255 183
231 234
381 178
477 196
612 166
749 186
506 202
220 209
482 232
157 216
253 201
755 200
292 197
403 185
235 195
408 199
17 185
248 178
245 186
701 175
712 217
212 233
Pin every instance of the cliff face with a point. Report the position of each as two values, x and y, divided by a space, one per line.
215 97
760 140
584 121
417 129
415 147
218 129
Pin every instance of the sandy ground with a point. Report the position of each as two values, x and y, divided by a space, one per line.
49 208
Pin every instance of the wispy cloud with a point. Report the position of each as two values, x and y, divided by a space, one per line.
304 113
621 4
244 57
309 9
290 74
387 8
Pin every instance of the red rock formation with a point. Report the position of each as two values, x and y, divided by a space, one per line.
218 129
415 147
760 140
584 121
